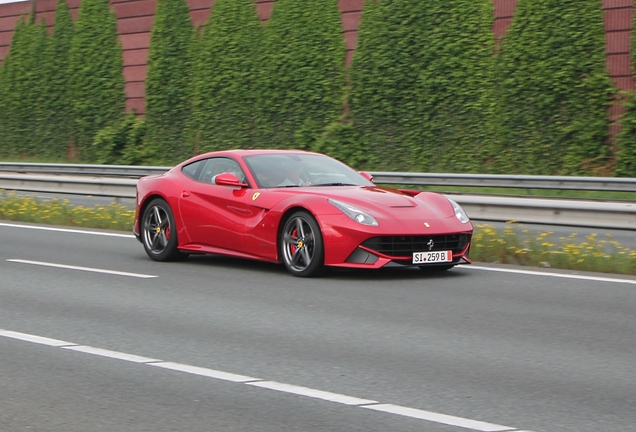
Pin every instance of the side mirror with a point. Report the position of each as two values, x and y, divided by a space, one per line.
366 175
228 179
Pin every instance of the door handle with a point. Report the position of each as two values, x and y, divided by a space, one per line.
185 194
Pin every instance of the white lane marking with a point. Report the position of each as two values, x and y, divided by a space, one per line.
34 339
110 354
556 275
438 418
43 228
270 385
210 373
312 393
86 269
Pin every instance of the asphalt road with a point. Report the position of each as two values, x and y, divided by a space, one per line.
116 342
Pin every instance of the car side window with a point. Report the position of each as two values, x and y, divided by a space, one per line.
219 165
192 170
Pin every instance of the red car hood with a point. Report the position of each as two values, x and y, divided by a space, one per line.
379 201
365 196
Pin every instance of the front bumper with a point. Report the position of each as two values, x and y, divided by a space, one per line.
348 244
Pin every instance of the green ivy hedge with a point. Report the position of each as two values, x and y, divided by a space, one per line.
421 81
553 90
122 143
303 76
33 89
24 92
167 99
58 120
626 140
97 83
226 79
9 104
424 92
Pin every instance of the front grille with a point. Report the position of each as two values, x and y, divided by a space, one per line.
406 245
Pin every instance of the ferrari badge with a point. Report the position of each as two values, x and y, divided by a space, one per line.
256 195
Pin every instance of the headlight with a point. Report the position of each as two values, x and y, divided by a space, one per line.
355 214
459 212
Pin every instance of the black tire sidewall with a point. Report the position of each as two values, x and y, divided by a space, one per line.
318 260
170 253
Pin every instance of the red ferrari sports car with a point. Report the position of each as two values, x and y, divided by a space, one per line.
303 209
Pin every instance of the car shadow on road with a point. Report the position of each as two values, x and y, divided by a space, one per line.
393 273
240 264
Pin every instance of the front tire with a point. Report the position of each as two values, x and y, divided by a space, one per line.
301 246
159 233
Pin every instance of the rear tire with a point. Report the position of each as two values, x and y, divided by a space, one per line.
159 232
301 247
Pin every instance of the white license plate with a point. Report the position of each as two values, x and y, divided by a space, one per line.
432 257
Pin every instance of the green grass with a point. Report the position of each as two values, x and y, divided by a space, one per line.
517 245
60 212
513 245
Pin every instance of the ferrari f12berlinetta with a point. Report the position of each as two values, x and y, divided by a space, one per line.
303 209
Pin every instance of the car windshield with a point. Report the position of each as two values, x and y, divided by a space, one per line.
299 169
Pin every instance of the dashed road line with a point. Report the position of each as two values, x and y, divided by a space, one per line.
110 354
368 404
86 269
35 339
548 274
210 373
66 230
312 393
438 418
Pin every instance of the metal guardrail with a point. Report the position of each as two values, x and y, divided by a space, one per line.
607 184
120 181
550 211
67 184
125 171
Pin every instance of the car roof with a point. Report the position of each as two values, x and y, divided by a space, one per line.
239 153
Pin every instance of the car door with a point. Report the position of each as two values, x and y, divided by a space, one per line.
214 215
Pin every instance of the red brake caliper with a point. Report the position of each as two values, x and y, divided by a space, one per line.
293 247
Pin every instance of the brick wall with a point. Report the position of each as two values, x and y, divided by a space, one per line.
135 19
618 30
9 14
504 10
